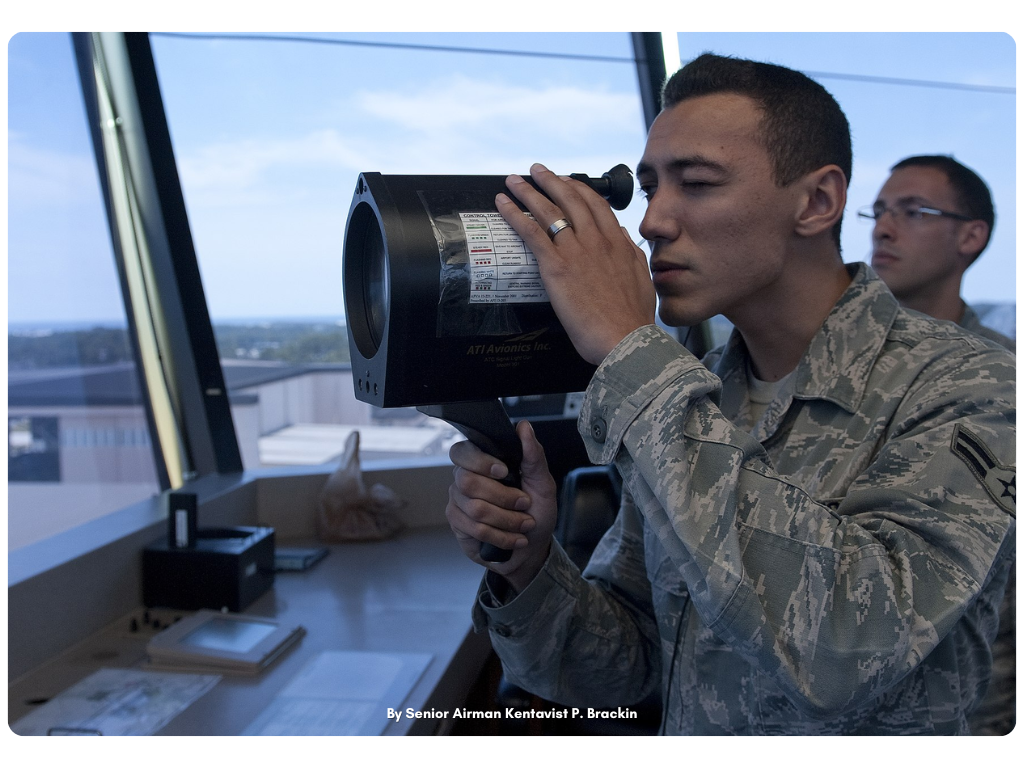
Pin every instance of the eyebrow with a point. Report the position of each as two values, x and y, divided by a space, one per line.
683 163
909 199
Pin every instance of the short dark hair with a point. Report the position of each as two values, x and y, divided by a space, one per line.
803 127
972 193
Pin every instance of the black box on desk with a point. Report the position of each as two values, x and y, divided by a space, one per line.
224 568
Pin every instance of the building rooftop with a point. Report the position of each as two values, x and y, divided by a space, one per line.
118 384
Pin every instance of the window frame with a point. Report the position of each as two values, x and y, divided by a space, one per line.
184 384
65 587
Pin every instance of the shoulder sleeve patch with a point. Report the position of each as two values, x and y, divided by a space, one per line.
998 480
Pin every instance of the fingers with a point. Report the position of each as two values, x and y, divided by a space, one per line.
577 200
561 198
534 458
537 479
482 509
478 487
469 457
597 280
532 233
481 521
480 506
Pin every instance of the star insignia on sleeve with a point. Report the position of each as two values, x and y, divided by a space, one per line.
998 480
1009 488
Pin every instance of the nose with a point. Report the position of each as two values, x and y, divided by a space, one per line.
659 223
885 226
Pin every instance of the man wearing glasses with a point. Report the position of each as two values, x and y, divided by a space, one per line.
817 522
940 218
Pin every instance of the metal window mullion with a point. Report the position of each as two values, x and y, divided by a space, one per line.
143 301
146 209
204 407
649 55
657 57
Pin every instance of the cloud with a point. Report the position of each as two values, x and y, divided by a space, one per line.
236 166
44 178
460 104
457 125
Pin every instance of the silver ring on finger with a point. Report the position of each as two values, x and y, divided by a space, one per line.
558 226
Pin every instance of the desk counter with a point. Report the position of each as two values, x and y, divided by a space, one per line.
410 594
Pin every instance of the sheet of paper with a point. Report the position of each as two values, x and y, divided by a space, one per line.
116 702
502 269
342 693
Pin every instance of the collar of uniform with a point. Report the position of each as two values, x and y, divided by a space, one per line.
836 364
970 319
842 352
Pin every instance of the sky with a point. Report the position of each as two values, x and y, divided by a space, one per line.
270 136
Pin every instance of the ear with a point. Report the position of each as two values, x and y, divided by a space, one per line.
972 239
821 200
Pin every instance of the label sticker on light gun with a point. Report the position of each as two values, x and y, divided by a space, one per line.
503 270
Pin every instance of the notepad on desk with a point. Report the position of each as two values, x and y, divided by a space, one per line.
342 693
226 643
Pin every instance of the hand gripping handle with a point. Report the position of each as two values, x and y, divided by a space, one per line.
489 428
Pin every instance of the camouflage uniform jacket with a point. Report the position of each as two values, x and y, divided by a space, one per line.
837 572
972 323
996 715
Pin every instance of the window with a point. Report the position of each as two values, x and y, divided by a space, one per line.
78 437
269 136
33 453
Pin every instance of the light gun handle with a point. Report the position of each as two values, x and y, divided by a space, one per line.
489 428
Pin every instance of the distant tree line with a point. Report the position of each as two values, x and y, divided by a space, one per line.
288 342
296 343
62 349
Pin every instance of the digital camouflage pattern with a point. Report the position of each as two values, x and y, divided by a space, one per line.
836 569
972 323
996 715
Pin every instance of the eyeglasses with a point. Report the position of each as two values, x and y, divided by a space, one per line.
907 212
